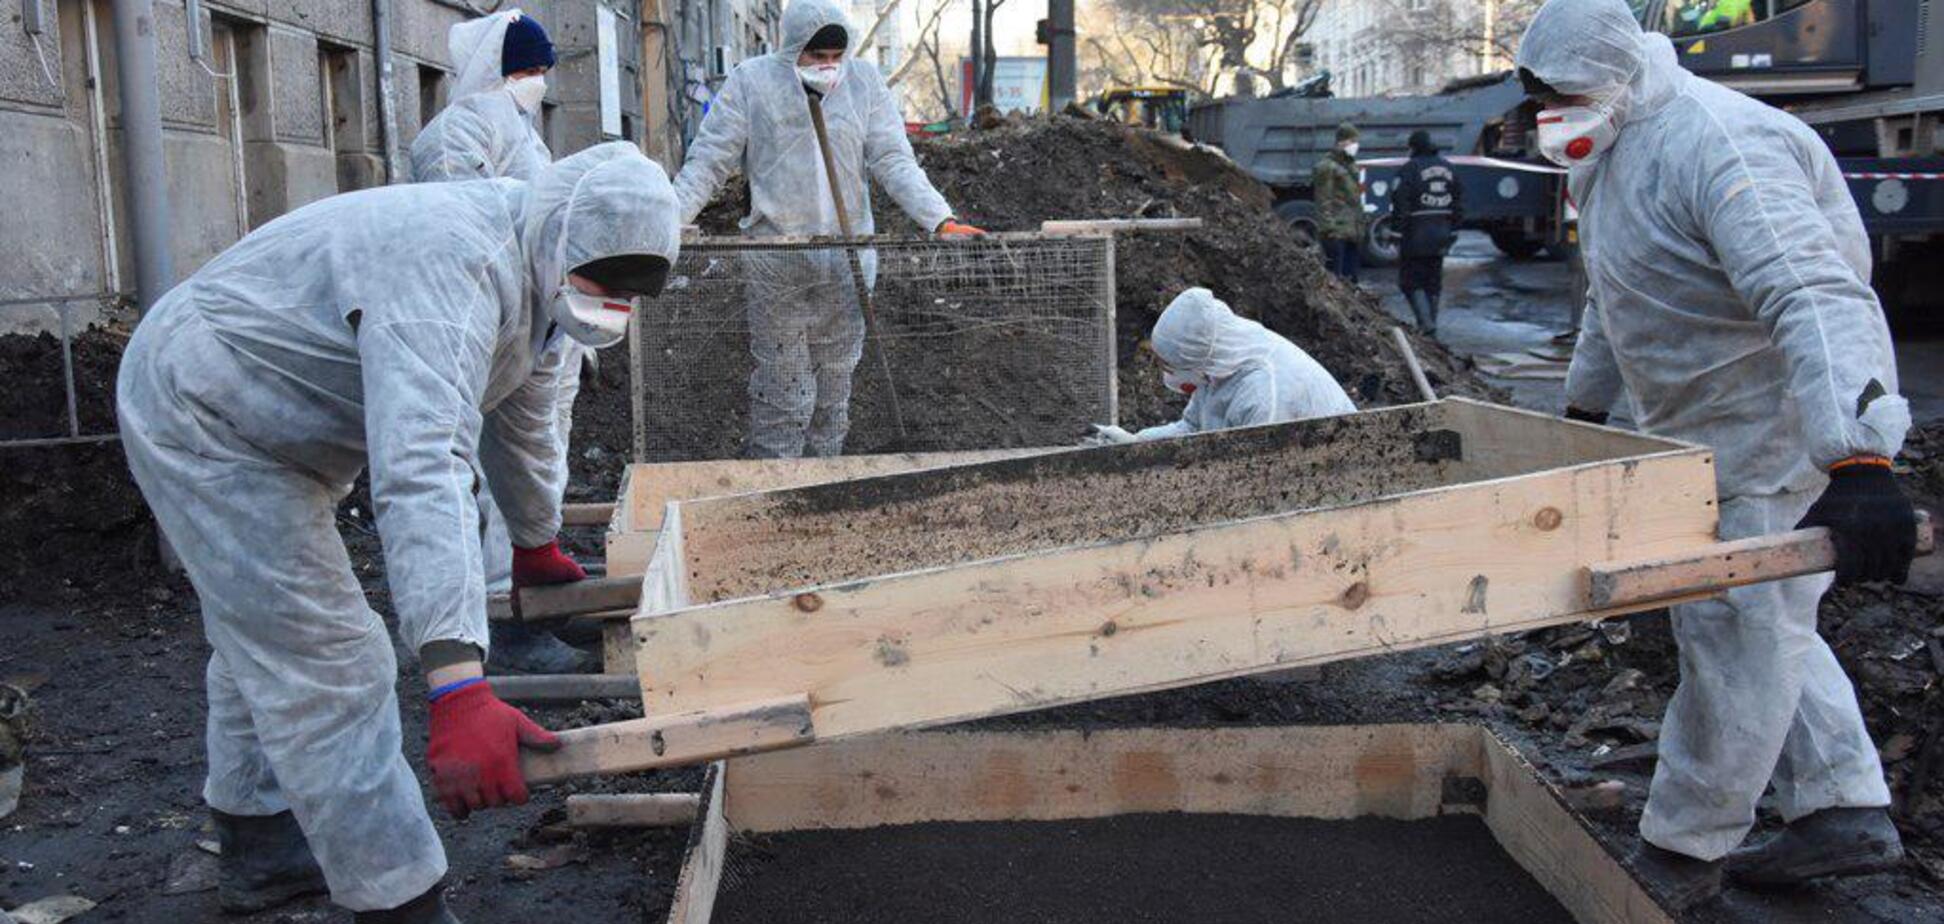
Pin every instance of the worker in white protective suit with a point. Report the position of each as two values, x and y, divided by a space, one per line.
1235 372
490 130
806 329
1729 299
394 329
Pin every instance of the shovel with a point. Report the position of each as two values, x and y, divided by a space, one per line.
871 332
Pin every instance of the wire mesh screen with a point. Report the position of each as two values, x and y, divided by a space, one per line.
779 348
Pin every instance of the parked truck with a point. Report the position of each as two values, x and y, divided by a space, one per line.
1482 124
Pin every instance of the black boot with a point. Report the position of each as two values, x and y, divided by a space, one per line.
265 862
1832 842
1421 310
429 908
520 649
1435 297
1679 881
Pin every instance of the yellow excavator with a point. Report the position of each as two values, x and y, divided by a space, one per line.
1160 108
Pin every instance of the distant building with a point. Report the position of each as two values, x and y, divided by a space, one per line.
1399 47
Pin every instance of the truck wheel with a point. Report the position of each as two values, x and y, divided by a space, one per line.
1382 242
1516 244
1301 215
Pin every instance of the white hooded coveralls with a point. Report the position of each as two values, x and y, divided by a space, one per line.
1255 376
1729 299
394 328
480 135
806 329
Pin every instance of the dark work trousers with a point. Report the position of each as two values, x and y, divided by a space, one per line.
1343 257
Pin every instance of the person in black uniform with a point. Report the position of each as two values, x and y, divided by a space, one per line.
1426 210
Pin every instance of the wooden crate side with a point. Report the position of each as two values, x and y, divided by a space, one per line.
1532 824
757 543
701 875
1501 441
1035 631
1393 771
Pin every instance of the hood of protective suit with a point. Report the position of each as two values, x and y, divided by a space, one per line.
1596 48
474 46
1199 333
607 201
804 18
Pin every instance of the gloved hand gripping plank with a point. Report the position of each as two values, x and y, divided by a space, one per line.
673 740
864 299
1721 566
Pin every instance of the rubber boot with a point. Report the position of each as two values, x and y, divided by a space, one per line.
1679 881
429 908
1832 842
518 649
1427 319
1435 298
265 862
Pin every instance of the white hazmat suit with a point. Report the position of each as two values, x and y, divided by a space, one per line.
481 135
395 328
1729 298
1251 375
806 327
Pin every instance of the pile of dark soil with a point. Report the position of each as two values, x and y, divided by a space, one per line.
71 519
1212 868
1014 176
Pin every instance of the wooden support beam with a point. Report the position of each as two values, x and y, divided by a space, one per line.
673 740
696 885
586 514
564 688
633 810
615 596
1717 567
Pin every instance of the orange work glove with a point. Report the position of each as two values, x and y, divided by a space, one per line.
952 227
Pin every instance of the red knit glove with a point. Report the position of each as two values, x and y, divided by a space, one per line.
474 751
545 564
952 227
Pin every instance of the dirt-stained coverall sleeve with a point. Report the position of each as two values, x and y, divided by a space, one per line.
718 148
887 151
423 381
1767 206
521 456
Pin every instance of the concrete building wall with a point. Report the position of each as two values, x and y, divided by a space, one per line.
1396 47
299 121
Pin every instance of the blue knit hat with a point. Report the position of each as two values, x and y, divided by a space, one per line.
526 46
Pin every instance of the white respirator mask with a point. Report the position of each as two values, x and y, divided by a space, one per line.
1352 148
821 77
1576 136
527 92
599 321
1183 384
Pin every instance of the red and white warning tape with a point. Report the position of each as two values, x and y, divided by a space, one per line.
1893 176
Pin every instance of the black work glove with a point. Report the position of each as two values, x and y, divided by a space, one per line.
1872 523
1592 417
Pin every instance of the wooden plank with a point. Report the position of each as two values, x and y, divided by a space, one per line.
1723 565
1533 825
617 650
696 885
756 543
581 598
564 688
1111 225
1039 630
1393 771
672 740
633 810
586 514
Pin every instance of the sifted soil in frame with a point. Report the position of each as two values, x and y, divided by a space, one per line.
1146 867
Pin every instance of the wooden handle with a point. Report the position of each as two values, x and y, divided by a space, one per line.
633 810
1721 566
544 689
586 514
615 596
1109 225
673 741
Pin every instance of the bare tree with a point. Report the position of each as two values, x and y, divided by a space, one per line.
1223 39
1487 30
927 48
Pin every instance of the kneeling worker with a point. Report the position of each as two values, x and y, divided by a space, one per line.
396 328
1235 372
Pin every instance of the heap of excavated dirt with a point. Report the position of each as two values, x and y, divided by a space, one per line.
1017 175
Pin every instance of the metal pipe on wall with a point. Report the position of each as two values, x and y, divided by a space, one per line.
387 105
143 165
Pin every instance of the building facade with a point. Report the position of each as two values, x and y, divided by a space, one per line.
279 108
1402 47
